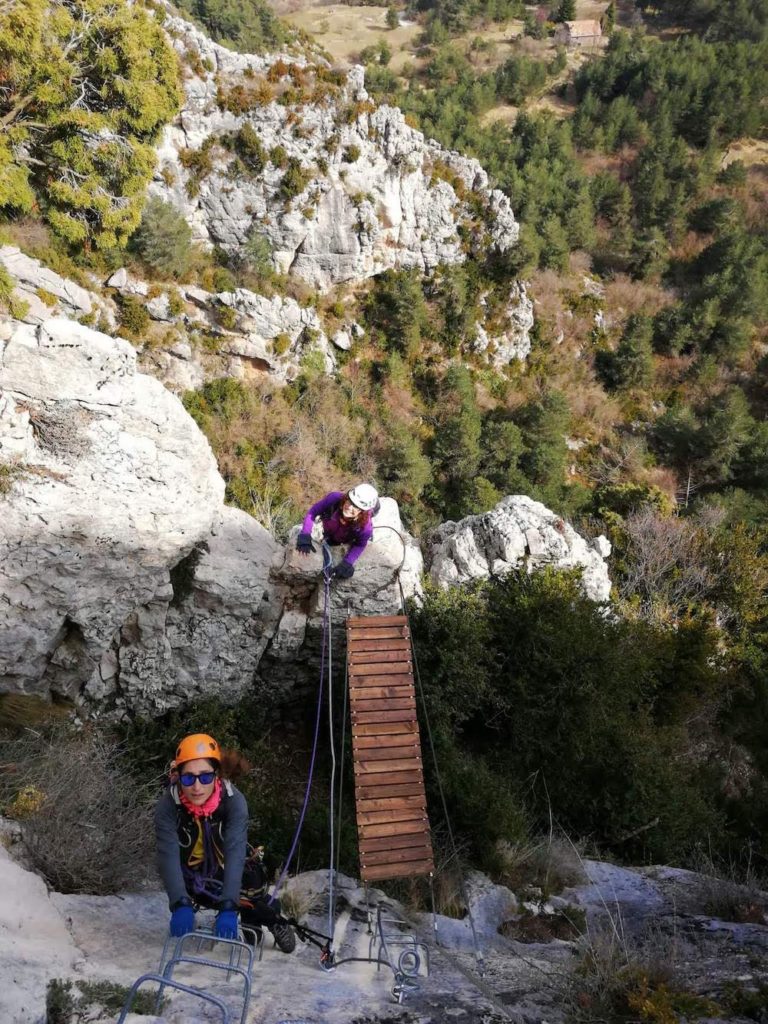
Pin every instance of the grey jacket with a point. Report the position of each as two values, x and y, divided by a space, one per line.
232 813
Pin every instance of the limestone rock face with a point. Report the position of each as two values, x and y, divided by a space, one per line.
113 485
376 194
514 341
517 532
208 635
33 280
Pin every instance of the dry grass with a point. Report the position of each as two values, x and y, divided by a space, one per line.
550 865
624 297
346 30
88 828
298 903
751 152
729 894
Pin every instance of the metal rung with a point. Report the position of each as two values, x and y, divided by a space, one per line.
168 983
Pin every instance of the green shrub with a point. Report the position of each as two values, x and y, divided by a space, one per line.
248 26
281 344
248 146
295 179
163 239
351 154
133 316
278 156
257 252
227 317
59 1002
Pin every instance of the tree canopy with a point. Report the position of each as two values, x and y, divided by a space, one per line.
87 87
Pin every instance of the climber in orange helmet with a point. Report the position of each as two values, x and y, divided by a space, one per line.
201 829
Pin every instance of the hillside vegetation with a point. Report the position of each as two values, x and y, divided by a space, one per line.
641 411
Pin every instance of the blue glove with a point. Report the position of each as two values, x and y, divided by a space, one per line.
344 570
226 924
182 921
304 543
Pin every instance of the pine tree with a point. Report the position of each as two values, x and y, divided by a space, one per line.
79 120
566 11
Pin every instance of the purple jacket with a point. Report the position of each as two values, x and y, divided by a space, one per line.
335 529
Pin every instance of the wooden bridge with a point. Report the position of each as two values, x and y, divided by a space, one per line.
392 823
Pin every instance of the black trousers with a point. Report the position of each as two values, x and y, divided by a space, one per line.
255 909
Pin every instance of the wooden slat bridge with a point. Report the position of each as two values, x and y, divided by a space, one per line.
392 823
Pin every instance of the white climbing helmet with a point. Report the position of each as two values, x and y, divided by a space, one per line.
364 497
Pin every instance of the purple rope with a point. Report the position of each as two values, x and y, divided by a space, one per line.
327 562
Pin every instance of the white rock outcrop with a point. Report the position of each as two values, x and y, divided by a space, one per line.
377 195
514 340
518 532
60 296
262 323
113 484
209 635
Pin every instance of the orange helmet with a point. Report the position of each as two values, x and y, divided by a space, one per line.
199 744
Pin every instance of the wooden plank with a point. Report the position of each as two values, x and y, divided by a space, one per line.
358 692
406 739
387 668
360 658
382 767
385 633
375 623
408 842
373 787
379 620
369 717
382 679
386 704
386 729
376 792
379 873
386 753
371 858
391 803
361 644
392 828
382 817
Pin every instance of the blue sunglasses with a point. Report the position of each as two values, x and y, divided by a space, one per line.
188 778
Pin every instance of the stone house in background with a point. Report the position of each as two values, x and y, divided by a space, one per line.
579 33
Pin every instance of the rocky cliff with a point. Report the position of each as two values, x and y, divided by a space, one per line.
367 192
126 583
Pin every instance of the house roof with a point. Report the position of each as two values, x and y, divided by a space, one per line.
584 28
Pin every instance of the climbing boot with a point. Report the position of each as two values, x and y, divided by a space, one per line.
285 937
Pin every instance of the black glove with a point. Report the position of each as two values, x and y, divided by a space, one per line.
344 570
304 543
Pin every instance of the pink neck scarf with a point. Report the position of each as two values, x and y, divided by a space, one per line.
202 810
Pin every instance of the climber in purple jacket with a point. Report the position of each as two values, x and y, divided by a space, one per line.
347 519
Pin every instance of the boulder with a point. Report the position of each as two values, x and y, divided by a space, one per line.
30 275
207 635
518 532
113 485
127 285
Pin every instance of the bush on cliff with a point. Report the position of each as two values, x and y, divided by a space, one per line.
164 238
